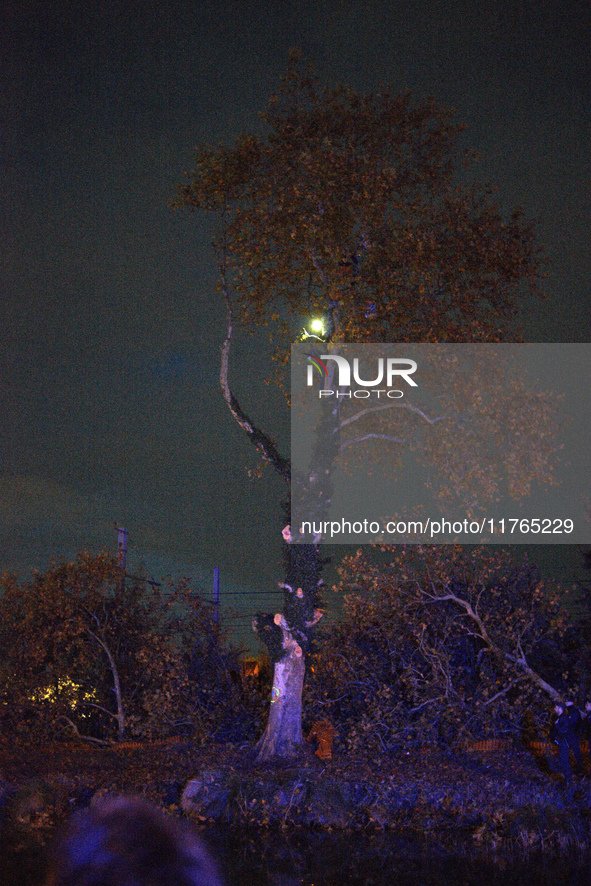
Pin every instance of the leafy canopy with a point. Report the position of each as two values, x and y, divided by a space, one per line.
440 643
83 650
355 203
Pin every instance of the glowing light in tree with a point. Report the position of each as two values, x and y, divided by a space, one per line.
316 329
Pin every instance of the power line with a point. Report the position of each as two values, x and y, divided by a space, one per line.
238 618
248 593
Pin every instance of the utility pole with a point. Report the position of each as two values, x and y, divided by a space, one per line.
121 552
216 594
121 546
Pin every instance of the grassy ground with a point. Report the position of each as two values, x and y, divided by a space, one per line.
490 800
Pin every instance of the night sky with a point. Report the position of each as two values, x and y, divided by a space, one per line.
110 326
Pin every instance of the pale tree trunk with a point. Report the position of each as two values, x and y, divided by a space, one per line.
120 715
283 735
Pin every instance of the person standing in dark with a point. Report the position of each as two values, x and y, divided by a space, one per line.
575 717
586 736
564 734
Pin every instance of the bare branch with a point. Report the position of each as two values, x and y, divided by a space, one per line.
261 441
423 705
505 690
406 406
518 660
120 715
318 268
374 437
71 723
99 707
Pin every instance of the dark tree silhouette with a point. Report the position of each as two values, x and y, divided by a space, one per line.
352 206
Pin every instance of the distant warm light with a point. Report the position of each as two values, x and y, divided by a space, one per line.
317 326
67 690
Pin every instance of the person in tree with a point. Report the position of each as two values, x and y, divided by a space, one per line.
564 734
359 209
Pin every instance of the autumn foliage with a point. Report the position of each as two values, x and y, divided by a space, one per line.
440 644
85 652
436 645
362 208
363 202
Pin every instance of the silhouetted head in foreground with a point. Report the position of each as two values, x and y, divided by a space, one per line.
127 841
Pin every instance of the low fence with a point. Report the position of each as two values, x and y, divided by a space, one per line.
536 747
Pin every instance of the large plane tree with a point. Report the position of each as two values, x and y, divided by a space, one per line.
359 208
